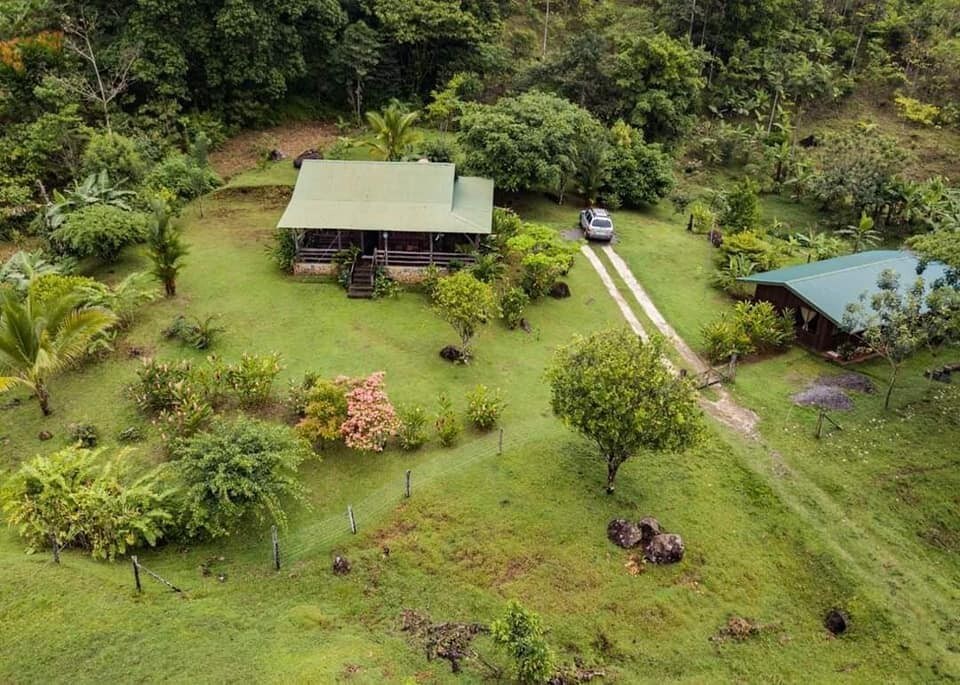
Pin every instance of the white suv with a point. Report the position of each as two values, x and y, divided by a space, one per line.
596 224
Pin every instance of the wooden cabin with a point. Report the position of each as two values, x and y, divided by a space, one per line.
819 292
400 216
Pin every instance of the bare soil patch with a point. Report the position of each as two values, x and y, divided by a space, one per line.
242 152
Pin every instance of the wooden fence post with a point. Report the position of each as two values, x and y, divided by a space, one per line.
500 444
276 547
136 573
407 490
353 521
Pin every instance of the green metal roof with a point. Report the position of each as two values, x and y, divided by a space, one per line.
389 196
830 285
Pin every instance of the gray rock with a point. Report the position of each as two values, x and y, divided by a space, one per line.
623 533
649 529
341 566
666 548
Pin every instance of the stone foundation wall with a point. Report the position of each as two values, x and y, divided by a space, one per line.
409 275
313 269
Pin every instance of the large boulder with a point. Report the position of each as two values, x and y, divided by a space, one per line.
559 290
836 621
666 548
341 566
649 529
452 354
624 533
277 155
306 154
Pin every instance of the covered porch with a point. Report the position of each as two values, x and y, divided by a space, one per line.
409 249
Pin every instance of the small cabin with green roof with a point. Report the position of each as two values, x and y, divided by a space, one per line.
401 216
819 292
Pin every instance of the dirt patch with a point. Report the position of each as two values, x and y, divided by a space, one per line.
264 196
447 640
243 151
830 391
739 629
848 381
518 567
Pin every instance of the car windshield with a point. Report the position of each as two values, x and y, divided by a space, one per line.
602 223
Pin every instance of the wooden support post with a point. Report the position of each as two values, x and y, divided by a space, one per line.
56 548
500 444
430 240
276 547
353 521
136 573
407 489
732 370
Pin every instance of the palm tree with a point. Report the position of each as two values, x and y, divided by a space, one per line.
862 235
393 131
166 249
38 340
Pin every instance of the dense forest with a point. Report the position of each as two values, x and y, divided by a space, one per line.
136 82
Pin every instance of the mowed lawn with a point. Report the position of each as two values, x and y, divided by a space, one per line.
481 527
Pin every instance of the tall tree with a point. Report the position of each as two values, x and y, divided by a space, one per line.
39 340
619 392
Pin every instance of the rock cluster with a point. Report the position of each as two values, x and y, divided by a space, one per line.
659 547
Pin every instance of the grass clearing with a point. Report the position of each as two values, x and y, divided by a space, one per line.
480 528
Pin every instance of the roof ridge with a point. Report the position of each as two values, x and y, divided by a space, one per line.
902 254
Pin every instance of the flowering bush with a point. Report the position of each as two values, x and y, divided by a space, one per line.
158 384
484 407
371 418
324 410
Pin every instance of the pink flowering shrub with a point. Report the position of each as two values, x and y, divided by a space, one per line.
371 418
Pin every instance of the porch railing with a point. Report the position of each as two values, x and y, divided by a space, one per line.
416 259
316 255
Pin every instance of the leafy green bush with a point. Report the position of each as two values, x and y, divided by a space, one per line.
99 230
484 407
446 423
83 503
157 383
917 112
540 256
431 278
513 303
324 410
237 469
438 150
125 299
638 174
741 209
85 435
506 224
190 411
760 248
251 380
412 433
284 249
51 287
385 287
737 266
751 327
704 220
116 154
181 175
520 632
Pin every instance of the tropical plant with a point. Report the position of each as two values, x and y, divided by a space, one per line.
446 423
23 268
741 209
236 469
38 341
513 303
751 327
489 267
484 407
862 235
194 331
125 299
75 498
619 392
728 276
394 134
96 188
165 248
412 431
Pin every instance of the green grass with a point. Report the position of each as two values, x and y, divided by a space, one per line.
480 528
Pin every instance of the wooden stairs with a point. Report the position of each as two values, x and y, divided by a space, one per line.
361 280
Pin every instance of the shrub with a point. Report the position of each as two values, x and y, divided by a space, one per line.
638 174
82 503
446 423
384 286
189 412
513 303
465 303
737 266
704 220
484 407
195 332
540 273
51 287
541 256
431 278
236 469
116 154
99 230
125 299
438 150
251 380
85 435
284 249
324 410
763 250
521 634
182 176
157 384
371 418
751 327
506 224
917 112
741 211
412 433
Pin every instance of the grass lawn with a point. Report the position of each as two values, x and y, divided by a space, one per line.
480 528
